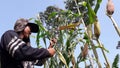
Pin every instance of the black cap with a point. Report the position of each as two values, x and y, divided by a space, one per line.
22 23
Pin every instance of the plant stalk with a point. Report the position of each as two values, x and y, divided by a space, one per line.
92 44
115 24
101 46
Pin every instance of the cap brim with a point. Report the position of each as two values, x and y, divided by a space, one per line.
34 27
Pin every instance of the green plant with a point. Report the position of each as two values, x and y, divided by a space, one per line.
73 29
116 61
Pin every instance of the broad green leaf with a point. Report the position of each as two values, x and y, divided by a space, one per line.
44 39
62 58
91 14
97 5
67 44
116 61
53 63
67 57
41 27
37 39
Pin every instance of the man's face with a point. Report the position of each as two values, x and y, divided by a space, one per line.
27 32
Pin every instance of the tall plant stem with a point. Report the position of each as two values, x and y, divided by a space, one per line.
96 54
115 24
92 44
101 46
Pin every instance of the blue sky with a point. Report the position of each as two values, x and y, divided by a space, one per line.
109 36
11 10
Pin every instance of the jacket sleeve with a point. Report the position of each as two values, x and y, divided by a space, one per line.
28 53
19 50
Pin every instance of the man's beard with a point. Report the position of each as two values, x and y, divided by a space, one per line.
26 39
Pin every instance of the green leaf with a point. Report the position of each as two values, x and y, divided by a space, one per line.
30 18
67 44
116 61
102 48
67 57
61 38
53 14
62 58
44 39
85 36
105 49
91 14
43 32
97 5
39 46
41 27
53 63
37 39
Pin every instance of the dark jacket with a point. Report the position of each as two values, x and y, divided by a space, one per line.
15 52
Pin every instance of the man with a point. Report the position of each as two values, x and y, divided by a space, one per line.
15 48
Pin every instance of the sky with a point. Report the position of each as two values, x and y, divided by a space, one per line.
11 10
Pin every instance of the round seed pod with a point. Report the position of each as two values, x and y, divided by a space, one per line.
110 7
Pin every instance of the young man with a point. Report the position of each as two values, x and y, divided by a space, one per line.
15 48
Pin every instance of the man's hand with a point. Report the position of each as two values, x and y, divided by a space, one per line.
51 51
52 42
50 48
